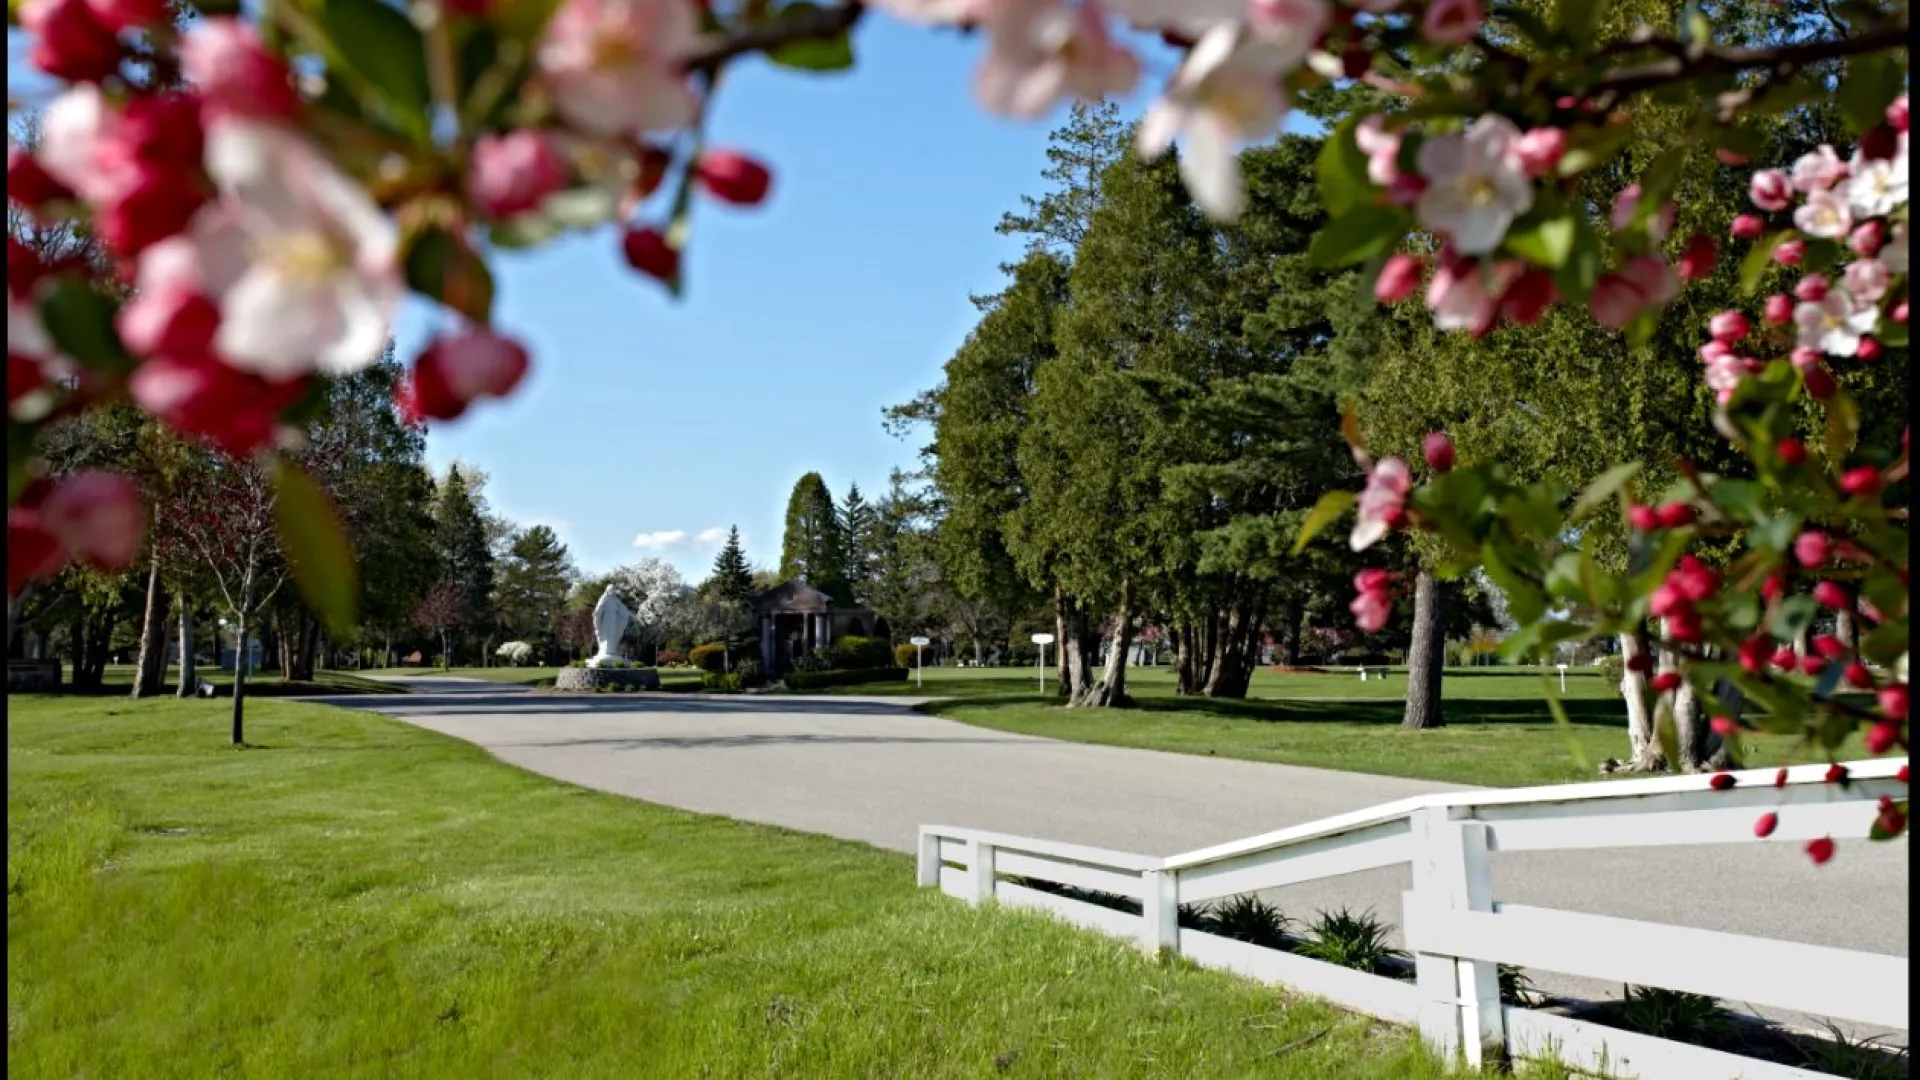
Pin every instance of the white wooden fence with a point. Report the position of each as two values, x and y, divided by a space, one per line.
1456 931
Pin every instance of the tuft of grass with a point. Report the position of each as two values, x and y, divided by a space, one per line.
1855 1059
1357 941
1674 1014
1250 919
355 897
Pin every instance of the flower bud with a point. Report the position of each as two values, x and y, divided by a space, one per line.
1893 701
1820 851
1439 452
1540 150
1675 515
514 172
1779 310
1866 238
1831 594
1667 682
1812 548
1819 382
70 42
1700 257
1790 252
1812 289
648 251
1861 482
1868 349
1642 518
1897 114
1767 822
1880 143
1748 227
733 177
1399 278
1729 326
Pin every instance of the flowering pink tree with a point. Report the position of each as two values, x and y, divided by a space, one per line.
269 224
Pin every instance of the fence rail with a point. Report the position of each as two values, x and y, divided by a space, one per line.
1459 935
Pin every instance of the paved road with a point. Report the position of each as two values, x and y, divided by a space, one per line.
873 770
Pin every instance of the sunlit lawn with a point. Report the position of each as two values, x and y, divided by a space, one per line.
670 678
118 679
1499 727
352 897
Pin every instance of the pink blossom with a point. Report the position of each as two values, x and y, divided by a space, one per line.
1460 299
514 172
1725 374
1451 22
1825 215
1878 185
1476 187
1526 300
1715 349
1042 52
1818 170
170 313
1373 603
1399 278
1866 238
1867 279
1227 90
1729 326
1770 189
1627 204
1835 324
1382 502
1897 114
1382 148
1540 150
612 67
97 517
458 369
1615 301
1804 358
236 75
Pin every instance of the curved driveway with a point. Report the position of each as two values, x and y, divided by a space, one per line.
874 770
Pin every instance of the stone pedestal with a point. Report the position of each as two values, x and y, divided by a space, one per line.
606 678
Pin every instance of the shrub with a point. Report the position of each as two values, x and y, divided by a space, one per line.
818 680
718 682
903 655
853 653
517 653
1349 940
1673 1014
1612 669
711 657
749 672
1247 918
670 658
812 661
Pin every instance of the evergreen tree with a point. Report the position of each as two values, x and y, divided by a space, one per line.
466 560
534 580
860 530
814 548
732 577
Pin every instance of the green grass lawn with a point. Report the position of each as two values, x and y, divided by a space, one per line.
354 897
1500 731
118 679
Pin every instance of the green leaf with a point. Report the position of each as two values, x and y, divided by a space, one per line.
1342 171
1355 237
317 548
1603 489
814 54
1577 275
384 47
1794 614
19 451
1324 513
1885 643
80 322
1530 25
1759 259
1843 426
1548 243
1891 334
1590 147
1579 17
444 267
1871 83
1523 596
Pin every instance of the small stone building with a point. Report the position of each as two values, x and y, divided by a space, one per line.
796 619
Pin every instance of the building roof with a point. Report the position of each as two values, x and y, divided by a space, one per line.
793 597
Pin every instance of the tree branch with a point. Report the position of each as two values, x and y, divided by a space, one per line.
1626 81
811 25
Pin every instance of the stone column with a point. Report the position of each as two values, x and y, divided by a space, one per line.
766 644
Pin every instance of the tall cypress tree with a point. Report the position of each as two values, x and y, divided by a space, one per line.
732 578
859 527
814 547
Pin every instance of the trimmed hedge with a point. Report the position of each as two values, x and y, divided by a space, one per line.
859 652
711 657
817 680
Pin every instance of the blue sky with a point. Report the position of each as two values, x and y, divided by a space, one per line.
655 420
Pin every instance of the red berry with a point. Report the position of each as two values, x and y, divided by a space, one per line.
1721 781
648 251
1820 851
1764 827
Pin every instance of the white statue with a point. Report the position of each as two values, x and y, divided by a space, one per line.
610 618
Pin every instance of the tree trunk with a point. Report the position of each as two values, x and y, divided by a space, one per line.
1294 617
1111 691
1239 644
446 650
150 670
240 663
1689 722
1846 627
1426 655
1078 648
14 606
306 642
77 650
188 679
1637 689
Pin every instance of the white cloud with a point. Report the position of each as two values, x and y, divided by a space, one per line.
661 540
678 539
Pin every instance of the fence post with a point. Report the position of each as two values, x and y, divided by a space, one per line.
1160 911
929 860
979 872
1462 1012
